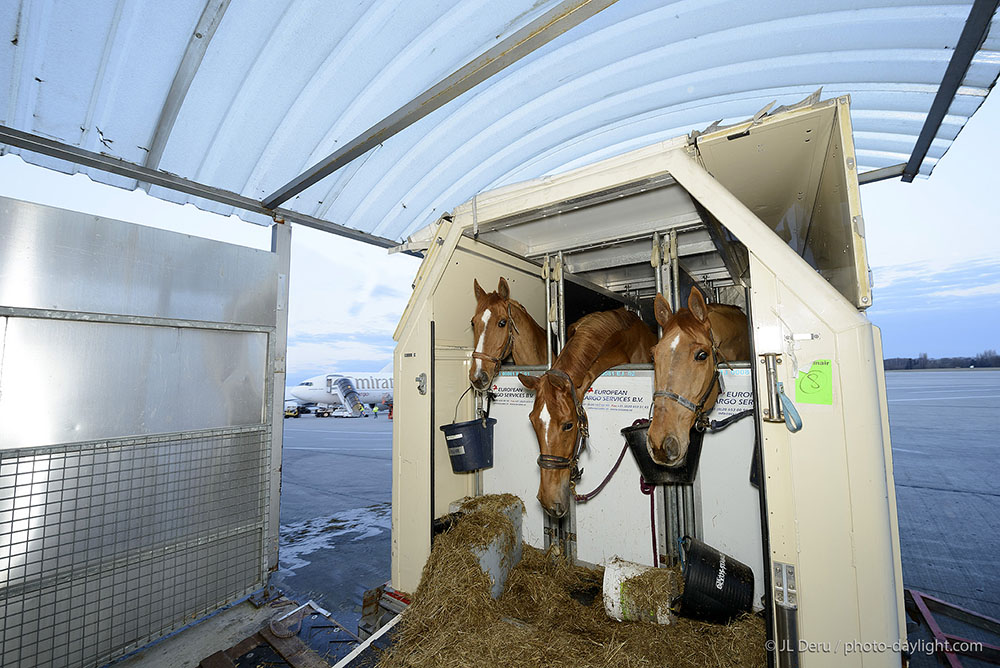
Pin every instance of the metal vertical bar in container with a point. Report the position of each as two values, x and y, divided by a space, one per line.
672 527
666 276
676 270
561 304
657 262
281 246
548 310
690 519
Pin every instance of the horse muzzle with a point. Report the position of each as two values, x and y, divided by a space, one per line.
668 453
481 381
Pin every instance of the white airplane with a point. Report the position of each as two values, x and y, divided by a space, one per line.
353 390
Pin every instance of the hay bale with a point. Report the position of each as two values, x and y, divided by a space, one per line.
539 620
637 593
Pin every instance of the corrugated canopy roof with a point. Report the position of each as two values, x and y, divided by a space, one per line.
246 96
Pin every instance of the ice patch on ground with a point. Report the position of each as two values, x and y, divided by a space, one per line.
299 539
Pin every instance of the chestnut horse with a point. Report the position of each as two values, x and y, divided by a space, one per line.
694 341
596 343
502 328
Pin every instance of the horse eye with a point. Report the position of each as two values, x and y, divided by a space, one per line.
567 426
701 356
502 323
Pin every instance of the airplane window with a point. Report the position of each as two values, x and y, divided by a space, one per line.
306 382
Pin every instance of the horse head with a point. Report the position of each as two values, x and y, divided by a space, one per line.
685 377
493 332
558 420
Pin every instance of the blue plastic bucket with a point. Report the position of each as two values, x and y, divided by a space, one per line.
470 444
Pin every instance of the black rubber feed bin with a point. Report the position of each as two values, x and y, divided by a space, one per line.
658 474
716 586
470 444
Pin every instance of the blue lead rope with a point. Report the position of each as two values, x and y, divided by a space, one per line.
792 418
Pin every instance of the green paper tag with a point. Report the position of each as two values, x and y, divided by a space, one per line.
816 385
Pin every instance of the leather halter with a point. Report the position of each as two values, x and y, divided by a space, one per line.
700 415
508 347
583 432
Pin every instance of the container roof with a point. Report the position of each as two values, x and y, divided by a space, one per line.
246 96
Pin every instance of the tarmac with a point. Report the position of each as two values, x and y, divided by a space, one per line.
336 495
337 481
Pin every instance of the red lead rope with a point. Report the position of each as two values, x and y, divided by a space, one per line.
647 488
583 498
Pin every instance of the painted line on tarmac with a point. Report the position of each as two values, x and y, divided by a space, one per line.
936 389
299 447
915 452
334 431
970 396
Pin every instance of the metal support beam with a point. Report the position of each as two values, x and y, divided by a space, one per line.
973 34
890 172
29 142
539 32
211 16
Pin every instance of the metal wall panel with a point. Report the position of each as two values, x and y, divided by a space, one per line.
138 453
105 380
105 546
63 260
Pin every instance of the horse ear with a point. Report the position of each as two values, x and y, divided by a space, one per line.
530 382
662 310
480 293
503 288
559 382
696 303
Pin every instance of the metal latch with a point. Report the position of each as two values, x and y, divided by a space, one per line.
421 383
779 407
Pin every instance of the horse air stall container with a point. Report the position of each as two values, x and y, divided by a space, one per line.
765 215
140 439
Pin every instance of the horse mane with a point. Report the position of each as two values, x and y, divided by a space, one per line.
588 336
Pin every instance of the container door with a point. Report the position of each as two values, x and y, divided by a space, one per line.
140 438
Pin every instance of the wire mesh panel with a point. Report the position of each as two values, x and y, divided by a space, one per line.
143 495
105 546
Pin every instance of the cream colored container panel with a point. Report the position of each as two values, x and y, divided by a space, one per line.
797 173
827 486
443 294
411 516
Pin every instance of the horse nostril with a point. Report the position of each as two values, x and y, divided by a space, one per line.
557 509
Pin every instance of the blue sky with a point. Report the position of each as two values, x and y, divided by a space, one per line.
934 248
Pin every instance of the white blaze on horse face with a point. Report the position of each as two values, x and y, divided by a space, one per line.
482 339
545 418
673 344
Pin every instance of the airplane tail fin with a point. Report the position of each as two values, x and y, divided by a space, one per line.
386 369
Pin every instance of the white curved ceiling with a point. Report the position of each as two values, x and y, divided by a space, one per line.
282 84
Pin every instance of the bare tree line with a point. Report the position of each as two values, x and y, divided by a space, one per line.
987 358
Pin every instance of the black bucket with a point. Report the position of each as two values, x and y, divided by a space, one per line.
470 444
716 586
658 474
